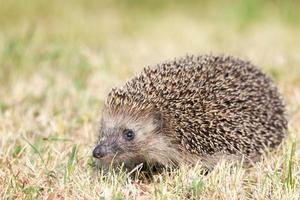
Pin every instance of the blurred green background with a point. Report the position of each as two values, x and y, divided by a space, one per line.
116 38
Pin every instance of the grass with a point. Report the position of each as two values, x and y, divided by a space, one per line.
58 60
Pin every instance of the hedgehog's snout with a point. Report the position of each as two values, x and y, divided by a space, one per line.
100 151
103 150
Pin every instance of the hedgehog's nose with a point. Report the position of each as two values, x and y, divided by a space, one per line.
99 152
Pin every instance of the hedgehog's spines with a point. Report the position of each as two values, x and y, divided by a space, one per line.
211 104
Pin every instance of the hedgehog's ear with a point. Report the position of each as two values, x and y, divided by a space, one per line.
158 120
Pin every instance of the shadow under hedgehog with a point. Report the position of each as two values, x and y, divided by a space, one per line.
189 110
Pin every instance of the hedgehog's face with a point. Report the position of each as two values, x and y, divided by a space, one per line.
127 139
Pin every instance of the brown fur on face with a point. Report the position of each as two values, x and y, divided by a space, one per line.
150 144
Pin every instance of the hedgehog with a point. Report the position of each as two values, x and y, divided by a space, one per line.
189 110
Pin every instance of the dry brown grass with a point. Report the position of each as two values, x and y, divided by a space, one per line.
58 60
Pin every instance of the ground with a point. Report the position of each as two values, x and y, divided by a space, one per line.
58 60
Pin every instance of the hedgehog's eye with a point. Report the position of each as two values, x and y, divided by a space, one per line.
128 134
